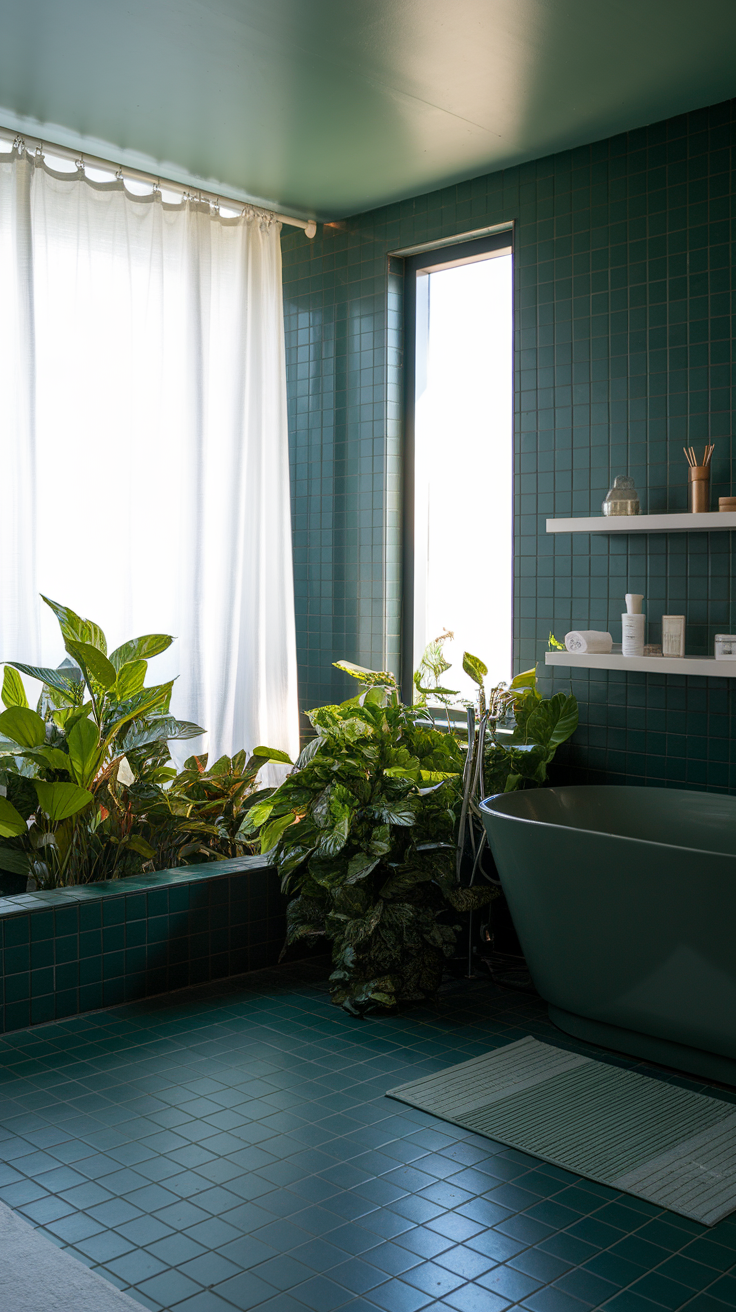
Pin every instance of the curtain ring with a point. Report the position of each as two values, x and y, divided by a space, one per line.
119 174
79 163
19 144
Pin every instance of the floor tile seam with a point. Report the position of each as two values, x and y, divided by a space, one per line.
646 1271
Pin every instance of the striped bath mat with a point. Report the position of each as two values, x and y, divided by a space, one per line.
674 1148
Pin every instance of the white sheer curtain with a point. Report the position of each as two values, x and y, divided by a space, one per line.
143 445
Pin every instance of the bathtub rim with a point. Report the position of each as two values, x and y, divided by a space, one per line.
578 829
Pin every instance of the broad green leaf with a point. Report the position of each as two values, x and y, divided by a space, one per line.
359 866
75 628
69 718
13 694
397 815
130 679
60 801
308 752
258 814
376 696
93 662
96 637
151 644
68 619
470 899
272 754
54 678
410 771
321 808
84 751
474 666
380 844
160 730
327 871
141 703
12 824
526 680
181 729
13 860
404 881
138 844
567 721
23 726
334 839
370 677
304 918
52 756
552 721
272 832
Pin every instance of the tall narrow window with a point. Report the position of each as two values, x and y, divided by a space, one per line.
459 470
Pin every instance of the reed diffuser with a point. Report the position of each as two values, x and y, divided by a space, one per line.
698 476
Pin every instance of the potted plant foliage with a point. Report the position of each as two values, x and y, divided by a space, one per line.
363 833
87 787
369 830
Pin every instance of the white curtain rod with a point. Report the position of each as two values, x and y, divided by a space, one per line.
135 175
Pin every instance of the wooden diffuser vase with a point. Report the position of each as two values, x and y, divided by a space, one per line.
698 480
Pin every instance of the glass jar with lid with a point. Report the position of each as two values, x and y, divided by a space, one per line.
623 498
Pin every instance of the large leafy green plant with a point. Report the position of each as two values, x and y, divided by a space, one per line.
81 772
202 813
519 730
363 833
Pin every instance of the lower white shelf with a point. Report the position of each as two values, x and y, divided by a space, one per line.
702 665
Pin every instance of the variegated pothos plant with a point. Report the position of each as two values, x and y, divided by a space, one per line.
363 835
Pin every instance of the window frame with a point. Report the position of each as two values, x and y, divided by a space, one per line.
433 259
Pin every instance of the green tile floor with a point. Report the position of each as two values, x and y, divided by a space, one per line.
231 1147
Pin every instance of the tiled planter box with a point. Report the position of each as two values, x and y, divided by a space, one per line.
97 945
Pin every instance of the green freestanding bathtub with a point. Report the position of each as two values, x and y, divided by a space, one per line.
624 900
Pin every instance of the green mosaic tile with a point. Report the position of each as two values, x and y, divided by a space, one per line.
623 353
206 922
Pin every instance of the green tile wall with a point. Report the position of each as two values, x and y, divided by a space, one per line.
623 353
98 945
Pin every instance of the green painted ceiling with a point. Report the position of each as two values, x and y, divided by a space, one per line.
331 107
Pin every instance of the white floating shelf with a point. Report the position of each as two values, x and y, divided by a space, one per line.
682 522
702 665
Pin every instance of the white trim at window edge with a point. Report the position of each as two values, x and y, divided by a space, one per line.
453 241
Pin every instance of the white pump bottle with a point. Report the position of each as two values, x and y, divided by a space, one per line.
633 625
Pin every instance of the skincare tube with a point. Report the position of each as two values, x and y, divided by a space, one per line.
633 625
673 635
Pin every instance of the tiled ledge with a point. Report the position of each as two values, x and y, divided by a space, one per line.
97 945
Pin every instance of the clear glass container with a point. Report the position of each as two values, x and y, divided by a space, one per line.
623 498
725 647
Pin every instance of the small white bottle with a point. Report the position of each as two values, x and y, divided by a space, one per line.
633 625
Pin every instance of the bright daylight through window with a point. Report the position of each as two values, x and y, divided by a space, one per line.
463 464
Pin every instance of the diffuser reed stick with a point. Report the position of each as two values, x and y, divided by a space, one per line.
692 459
